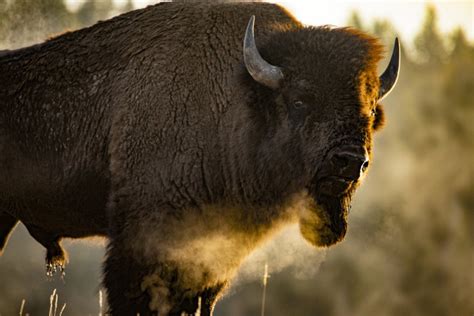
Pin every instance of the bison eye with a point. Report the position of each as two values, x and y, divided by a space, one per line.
297 111
299 105
373 112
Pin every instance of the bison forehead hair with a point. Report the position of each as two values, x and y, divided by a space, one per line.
330 67
321 52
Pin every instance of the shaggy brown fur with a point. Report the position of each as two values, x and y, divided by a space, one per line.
148 129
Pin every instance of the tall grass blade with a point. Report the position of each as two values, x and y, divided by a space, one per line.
265 279
22 306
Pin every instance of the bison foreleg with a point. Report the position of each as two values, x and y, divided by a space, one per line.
7 225
55 255
209 299
123 275
200 303
141 284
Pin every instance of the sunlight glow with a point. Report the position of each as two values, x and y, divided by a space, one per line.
120 3
74 5
406 15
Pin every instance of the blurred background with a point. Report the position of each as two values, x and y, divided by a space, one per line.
410 245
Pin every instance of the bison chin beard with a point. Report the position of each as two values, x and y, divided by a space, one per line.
323 220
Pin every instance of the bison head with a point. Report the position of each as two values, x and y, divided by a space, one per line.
324 90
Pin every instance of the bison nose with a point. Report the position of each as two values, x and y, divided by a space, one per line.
351 164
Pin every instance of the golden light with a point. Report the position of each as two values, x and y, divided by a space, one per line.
406 15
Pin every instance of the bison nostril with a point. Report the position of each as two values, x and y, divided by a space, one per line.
365 165
349 164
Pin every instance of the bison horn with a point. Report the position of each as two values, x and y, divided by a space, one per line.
260 70
390 75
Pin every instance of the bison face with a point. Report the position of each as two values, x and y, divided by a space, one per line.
327 99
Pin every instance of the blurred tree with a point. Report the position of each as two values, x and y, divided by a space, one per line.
24 21
92 11
458 88
128 6
429 42
460 45
384 30
356 21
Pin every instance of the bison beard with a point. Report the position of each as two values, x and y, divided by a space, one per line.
324 220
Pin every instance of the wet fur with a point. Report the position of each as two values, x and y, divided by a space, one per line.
148 129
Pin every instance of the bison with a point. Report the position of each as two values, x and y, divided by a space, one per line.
186 140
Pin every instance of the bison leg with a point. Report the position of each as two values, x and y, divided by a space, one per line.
201 303
137 284
55 255
209 299
7 224
123 274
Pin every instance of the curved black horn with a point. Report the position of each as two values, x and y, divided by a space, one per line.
258 68
390 75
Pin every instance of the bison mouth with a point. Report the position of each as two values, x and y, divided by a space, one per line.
324 220
334 186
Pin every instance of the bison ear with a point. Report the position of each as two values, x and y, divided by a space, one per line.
260 70
390 75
